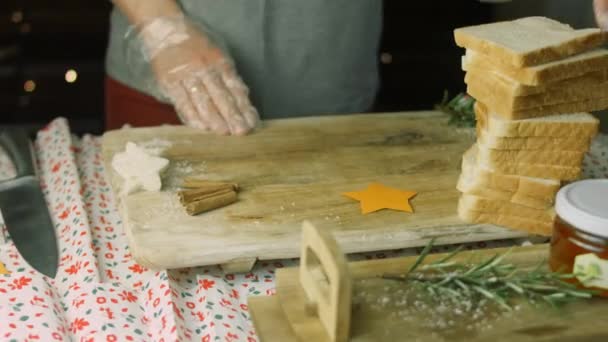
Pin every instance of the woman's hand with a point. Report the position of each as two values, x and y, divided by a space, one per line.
197 77
191 71
600 7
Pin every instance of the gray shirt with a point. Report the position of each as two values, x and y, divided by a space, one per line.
298 57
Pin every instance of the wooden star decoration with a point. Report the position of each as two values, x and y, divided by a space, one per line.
378 196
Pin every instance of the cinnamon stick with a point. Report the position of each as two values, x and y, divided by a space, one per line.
195 183
211 201
186 196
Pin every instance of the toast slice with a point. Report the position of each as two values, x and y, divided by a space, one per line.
527 41
564 173
468 183
501 107
546 157
542 188
543 74
502 84
536 170
526 201
567 125
580 144
590 105
496 206
470 215
504 102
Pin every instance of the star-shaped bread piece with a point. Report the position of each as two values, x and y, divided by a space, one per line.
139 169
377 197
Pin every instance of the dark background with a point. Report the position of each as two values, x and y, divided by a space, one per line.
41 40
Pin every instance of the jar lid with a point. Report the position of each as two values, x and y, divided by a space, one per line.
584 204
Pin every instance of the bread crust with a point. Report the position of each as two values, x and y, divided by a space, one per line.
509 127
573 42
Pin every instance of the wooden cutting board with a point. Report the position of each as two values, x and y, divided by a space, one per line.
292 170
382 310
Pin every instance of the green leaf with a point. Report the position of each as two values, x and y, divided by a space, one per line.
449 256
493 297
515 288
421 257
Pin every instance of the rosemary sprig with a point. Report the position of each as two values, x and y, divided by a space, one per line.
492 279
460 108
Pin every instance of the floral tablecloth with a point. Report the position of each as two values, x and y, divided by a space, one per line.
101 294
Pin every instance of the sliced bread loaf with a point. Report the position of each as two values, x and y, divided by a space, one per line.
561 108
526 201
570 67
527 41
536 170
502 84
545 157
480 176
568 125
566 173
490 205
533 143
503 107
469 184
515 222
505 103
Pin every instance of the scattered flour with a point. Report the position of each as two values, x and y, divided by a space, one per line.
395 304
155 146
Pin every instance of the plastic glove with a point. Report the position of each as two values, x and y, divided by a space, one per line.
600 8
197 76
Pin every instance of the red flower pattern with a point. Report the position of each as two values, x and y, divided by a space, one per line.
64 214
206 284
128 296
136 268
78 324
56 167
74 268
20 283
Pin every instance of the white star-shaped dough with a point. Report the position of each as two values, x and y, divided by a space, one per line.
139 169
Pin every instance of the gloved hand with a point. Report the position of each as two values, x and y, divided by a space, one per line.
600 8
197 76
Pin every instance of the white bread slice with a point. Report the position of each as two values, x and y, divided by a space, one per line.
502 84
564 173
489 205
526 201
527 41
533 143
505 103
546 157
528 186
503 108
537 170
567 125
468 183
527 225
561 108
570 67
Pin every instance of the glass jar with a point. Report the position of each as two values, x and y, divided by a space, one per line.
579 243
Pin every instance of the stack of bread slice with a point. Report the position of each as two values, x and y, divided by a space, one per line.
534 81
